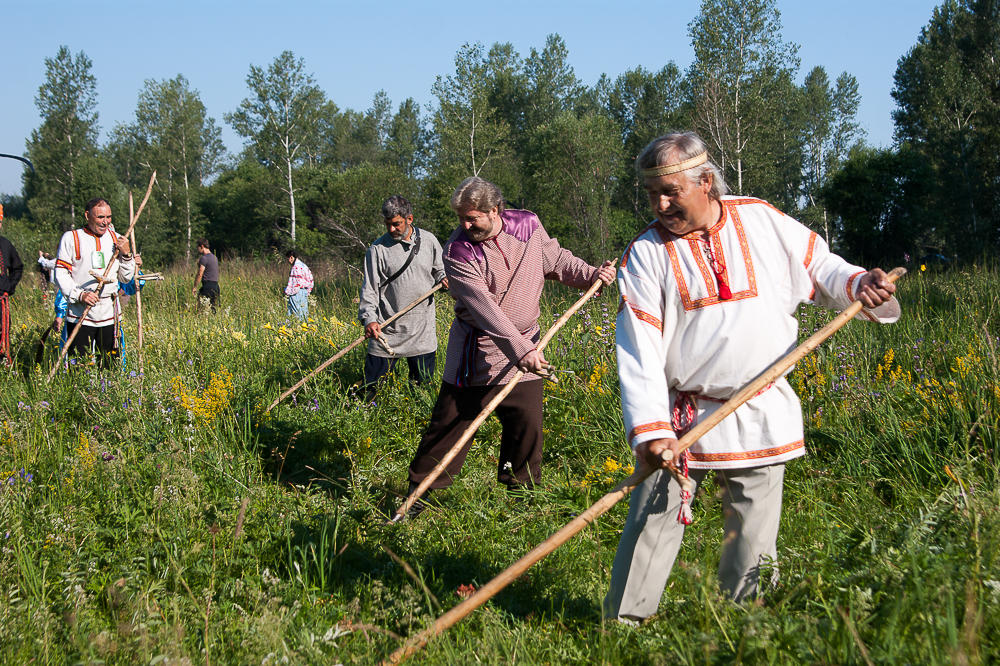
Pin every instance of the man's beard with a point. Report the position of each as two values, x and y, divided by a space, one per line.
478 235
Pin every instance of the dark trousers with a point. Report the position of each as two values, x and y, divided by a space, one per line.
456 408
100 338
377 369
210 290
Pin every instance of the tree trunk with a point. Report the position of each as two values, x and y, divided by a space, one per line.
291 198
187 196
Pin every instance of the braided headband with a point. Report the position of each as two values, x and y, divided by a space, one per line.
666 169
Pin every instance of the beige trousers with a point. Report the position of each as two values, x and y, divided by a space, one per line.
751 507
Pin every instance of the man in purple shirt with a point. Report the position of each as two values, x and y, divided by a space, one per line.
497 262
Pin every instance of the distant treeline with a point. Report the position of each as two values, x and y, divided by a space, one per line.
313 175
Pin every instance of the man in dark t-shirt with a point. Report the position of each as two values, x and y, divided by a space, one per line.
208 274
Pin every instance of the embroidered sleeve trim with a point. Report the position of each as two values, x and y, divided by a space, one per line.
649 427
812 247
646 317
640 314
850 285
64 264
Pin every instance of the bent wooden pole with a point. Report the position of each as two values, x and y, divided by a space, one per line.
509 575
349 347
488 409
138 290
107 269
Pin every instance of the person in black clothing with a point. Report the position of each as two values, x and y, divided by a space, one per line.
11 269
208 275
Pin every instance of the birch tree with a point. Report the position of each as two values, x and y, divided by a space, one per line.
470 132
739 55
176 138
281 119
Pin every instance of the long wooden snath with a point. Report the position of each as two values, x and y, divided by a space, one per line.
358 341
509 575
488 409
138 289
103 280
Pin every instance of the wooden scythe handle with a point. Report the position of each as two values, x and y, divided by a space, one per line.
358 341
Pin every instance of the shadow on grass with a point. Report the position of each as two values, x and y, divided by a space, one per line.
301 454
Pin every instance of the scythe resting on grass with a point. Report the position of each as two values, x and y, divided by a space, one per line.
322 366
488 409
509 575
103 280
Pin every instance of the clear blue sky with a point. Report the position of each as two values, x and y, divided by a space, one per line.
356 48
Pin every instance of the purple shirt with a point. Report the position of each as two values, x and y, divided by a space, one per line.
497 284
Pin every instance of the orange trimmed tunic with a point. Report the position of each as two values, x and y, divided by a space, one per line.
81 251
675 334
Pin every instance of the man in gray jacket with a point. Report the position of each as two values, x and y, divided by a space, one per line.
402 264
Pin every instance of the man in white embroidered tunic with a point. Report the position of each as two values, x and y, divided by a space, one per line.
80 252
709 291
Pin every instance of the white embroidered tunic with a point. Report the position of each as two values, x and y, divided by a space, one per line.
675 334
80 251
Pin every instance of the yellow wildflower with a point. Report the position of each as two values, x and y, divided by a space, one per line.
209 403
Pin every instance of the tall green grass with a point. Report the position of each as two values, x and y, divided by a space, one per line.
119 544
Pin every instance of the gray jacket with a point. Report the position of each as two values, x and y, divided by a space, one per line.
415 332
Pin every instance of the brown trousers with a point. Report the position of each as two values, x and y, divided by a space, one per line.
456 408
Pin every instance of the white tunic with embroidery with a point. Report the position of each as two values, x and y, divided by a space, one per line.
80 251
675 334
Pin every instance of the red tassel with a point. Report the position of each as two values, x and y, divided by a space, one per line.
724 293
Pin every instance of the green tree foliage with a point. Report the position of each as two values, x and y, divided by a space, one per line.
643 105
63 149
473 138
344 206
829 130
947 89
573 177
174 136
282 119
313 175
408 140
738 67
881 196
243 208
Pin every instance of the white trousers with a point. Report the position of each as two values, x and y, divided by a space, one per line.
751 508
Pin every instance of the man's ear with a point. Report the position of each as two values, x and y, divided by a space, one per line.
707 180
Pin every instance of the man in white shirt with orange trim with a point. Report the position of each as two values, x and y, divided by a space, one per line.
91 249
709 292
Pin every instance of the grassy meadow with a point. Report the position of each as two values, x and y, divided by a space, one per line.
159 517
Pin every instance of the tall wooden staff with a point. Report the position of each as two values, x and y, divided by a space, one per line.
138 288
102 281
509 575
488 409
327 362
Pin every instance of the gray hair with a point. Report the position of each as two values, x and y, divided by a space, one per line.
677 147
396 205
474 193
